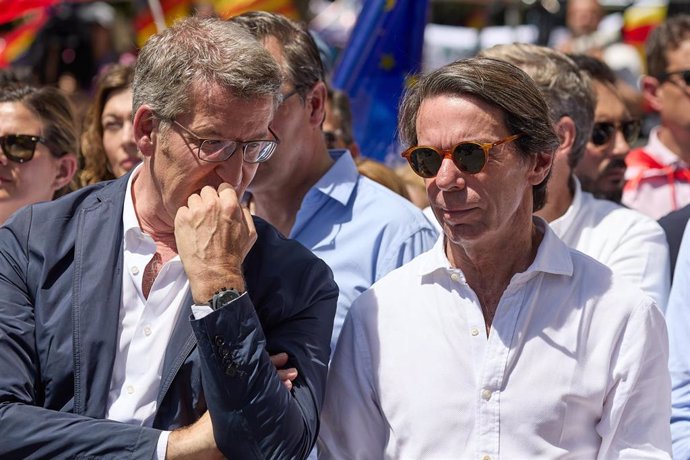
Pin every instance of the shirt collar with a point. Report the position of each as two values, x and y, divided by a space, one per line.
553 256
129 216
340 180
659 151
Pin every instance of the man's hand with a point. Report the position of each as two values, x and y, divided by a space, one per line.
195 441
286 375
213 233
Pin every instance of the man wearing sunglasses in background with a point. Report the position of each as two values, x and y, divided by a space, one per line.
500 342
658 176
359 228
137 315
601 170
631 244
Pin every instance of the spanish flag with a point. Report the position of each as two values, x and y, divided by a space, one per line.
176 9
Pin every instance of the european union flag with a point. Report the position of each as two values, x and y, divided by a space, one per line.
385 47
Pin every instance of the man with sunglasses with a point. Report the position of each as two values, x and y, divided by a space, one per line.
658 175
316 196
631 244
501 341
137 315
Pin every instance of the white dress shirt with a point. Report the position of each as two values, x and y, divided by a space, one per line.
630 243
574 366
145 326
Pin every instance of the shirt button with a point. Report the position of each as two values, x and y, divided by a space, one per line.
455 277
486 394
486 457
474 332
147 330
135 270
130 389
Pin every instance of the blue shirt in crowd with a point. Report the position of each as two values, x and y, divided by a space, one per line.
361 229
678 321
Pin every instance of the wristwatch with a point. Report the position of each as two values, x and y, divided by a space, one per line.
223 297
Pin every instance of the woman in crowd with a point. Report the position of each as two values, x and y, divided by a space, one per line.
107 144
39 144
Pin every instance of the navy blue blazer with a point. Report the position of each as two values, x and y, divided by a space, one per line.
60 294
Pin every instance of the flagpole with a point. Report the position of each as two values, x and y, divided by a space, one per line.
157 13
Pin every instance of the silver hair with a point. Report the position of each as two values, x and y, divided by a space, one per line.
195 53
567 89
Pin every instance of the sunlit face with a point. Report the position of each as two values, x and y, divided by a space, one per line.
482 206
602 168
674 94
118 136
176 168
291 123
34 180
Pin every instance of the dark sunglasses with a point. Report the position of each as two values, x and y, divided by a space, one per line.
684 74
20 148
603 132
469 157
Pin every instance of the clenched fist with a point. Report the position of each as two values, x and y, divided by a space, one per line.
213 233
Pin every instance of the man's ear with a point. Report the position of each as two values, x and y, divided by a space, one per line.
650 87
143 125
566 131
316 103
66 167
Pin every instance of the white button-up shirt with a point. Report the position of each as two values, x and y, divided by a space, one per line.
630 243
145 326
574 366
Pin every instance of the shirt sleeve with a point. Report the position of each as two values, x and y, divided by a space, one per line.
678 321
352 425
162 446
643 258
637 405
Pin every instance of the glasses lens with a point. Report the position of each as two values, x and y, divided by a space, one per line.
258 151
602 133
216 150
469 157
19 148
425 162
685 74
631 131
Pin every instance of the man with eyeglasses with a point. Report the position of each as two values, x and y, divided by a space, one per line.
359 228
658 175
500 342
145 317
631 244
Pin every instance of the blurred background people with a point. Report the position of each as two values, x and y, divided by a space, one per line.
39 141
601 170
379 172
658 176
337 124
108 150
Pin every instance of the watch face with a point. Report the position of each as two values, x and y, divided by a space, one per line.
224 298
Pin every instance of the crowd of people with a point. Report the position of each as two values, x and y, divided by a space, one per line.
207 266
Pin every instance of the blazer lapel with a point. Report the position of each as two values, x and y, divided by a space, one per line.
181 344
96 297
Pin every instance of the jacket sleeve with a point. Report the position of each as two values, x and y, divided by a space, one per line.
253 414
27 429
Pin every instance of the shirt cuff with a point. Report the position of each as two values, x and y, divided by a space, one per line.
162 446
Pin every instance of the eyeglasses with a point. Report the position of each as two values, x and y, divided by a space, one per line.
469 157
217 150
603 132
20 148
288 95
684 74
